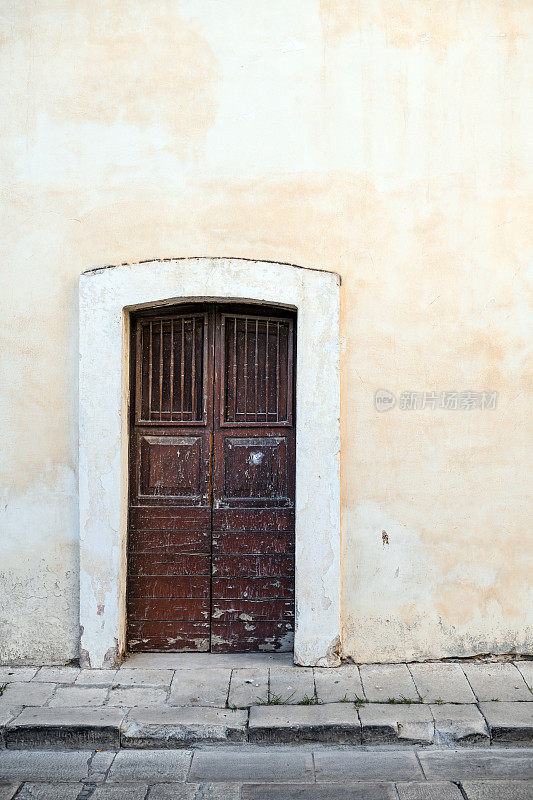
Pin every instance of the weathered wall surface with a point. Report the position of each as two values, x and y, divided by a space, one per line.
387 140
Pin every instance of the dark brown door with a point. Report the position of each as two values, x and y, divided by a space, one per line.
212 457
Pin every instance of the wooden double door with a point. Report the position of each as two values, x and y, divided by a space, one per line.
212 480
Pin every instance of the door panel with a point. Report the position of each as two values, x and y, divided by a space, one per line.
253 519
166 518
169 546
256 566
263 636
171 379
252 591
149 563
170 466
255 468
251 588
170 541
211 523
256 355
252 542
228 610
168 608
175 636
165 586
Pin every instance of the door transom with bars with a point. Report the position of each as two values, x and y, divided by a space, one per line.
212 462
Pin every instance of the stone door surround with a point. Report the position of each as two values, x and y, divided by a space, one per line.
106 297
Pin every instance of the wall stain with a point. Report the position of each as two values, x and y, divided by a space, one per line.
431 23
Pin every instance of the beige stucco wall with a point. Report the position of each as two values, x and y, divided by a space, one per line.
387 140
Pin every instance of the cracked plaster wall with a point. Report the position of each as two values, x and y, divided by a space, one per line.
387 141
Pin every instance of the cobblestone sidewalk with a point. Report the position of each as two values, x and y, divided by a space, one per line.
193 699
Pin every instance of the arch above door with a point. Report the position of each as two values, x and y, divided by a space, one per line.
107 296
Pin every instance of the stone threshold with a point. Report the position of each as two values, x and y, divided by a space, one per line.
108 728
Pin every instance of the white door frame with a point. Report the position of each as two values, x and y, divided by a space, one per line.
107 296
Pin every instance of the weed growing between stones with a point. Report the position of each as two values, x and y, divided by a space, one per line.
402 700
274 700
309 701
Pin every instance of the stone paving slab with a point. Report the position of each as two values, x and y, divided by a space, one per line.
129 792
526 670
126 676
19 674
464 724
335 722
337 685
208 687
441 682
429 790
252 767
96 677
180 726
43 765
131 696
498 790
77 696
360 765
57 674
99 764
49 791
477 764
291 685
26 694
509 723
353 791
157 765
392 723
382 682
65 728
248 687
8 790
195 791
497 682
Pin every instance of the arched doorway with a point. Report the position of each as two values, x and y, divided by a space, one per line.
109 298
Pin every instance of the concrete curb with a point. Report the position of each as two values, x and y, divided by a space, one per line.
108 728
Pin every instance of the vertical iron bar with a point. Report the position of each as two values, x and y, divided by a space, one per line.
277 373
245 365
139 371
193 370
255 365
171 370
266 374
160 370
234 369
290 367
182 363
150 365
